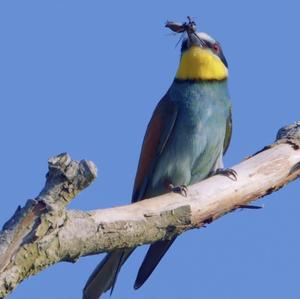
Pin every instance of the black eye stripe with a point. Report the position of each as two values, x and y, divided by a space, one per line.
184 45
213 45
209 45
219 53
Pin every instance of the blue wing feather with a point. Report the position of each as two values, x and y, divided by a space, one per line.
158 132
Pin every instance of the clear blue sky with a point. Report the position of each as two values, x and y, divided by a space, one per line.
84 77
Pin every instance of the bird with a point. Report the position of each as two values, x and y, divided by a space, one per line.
186 138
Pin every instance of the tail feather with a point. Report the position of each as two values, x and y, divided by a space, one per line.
151 260
105 274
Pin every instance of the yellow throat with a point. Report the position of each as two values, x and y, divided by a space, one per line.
200 64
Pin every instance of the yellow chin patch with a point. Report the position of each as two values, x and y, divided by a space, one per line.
201 64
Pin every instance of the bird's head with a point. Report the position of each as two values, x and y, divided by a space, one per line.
201 59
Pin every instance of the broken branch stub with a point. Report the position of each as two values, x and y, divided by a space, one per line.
64 180
44 233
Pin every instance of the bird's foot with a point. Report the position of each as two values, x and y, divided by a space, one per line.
182 189
295 168
228 172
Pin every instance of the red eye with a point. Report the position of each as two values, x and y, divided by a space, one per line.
216 48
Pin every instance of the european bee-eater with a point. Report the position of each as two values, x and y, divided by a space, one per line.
186 138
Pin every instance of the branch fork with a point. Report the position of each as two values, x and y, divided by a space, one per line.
44 232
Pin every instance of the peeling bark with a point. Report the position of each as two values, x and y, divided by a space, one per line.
43 232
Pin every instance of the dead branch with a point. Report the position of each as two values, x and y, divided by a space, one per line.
43 232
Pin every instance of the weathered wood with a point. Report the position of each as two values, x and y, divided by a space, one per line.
64 180
44 233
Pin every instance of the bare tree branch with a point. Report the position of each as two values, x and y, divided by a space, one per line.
44 233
